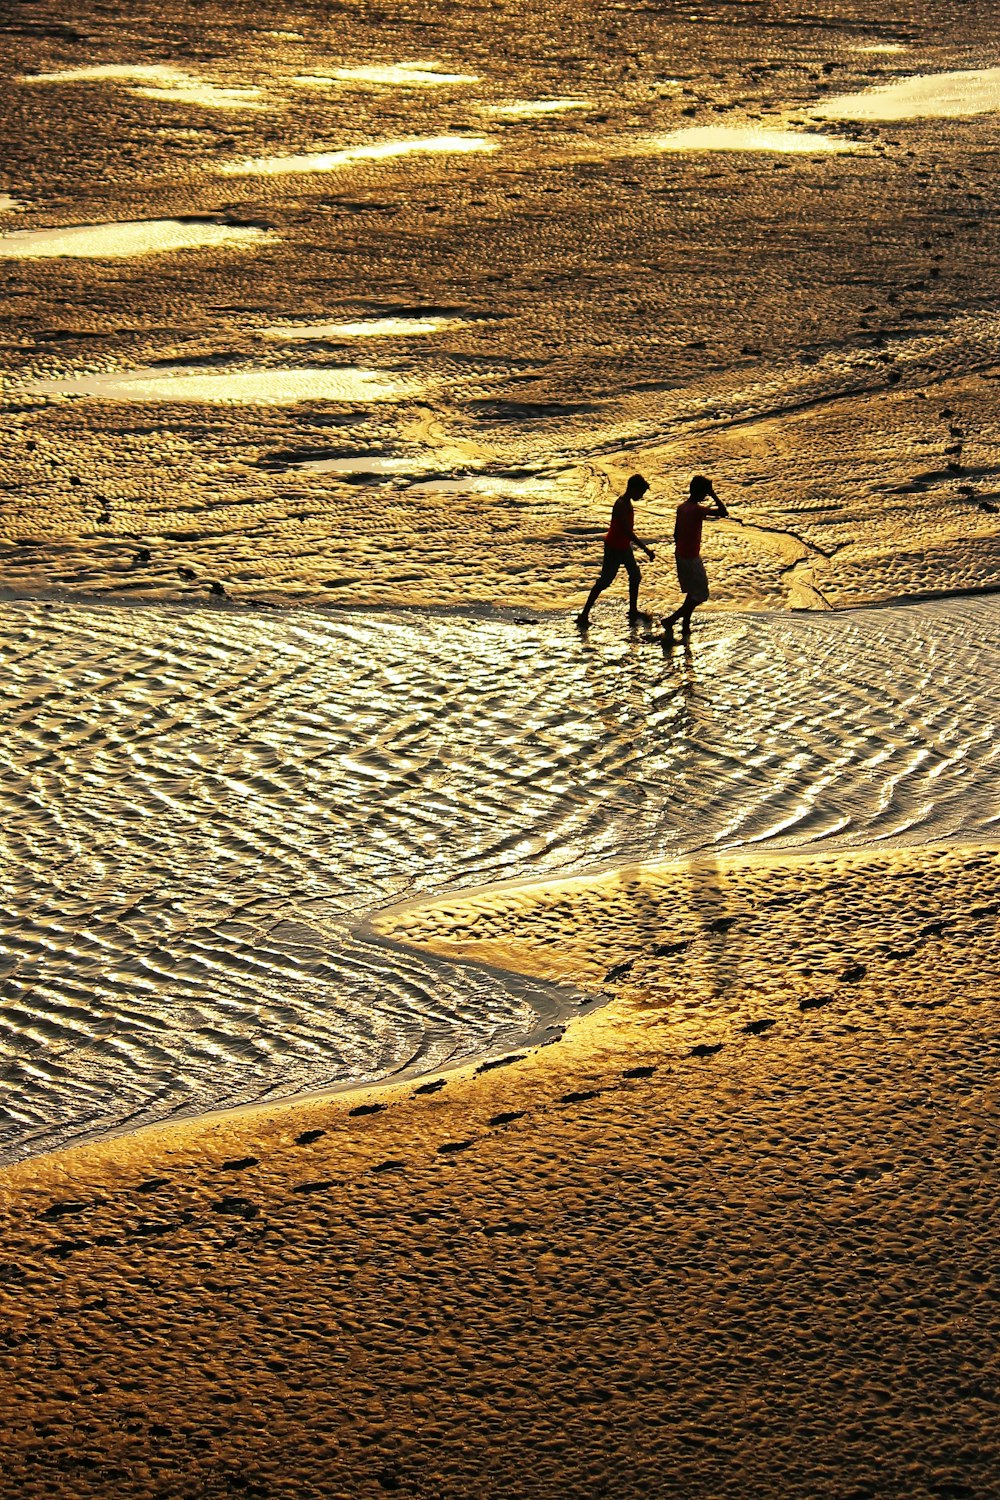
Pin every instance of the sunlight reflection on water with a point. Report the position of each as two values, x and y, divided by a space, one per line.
750 138
136 237
246 387
371 328
156 81
402 75
329 161
974 91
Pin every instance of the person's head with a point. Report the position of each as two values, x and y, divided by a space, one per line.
636 487
699 488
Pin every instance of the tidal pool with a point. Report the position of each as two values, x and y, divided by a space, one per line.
157 81
398 75
330 161
370 328
361 463
241 387
484 484
526 108
750 138
974 91
133 237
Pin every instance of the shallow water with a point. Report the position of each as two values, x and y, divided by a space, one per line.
368 328
973 91
199 809
751 138
157 81
142 237
331 161
248 387
404 75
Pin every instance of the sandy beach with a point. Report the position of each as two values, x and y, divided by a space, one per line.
444 1051
721 1239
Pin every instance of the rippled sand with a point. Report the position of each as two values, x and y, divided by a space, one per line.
202 809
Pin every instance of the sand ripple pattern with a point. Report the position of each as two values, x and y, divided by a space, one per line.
200 809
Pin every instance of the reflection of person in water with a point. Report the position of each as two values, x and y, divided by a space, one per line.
691 573
618 543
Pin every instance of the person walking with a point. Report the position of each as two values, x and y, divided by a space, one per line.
691 573
619 540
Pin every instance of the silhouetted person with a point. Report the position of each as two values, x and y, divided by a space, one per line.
618 543
691 573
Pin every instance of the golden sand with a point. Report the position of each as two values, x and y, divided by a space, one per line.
731 1236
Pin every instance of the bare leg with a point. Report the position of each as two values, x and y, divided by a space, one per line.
634 579
669 621
583 618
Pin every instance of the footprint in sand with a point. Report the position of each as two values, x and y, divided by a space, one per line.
500 1062
507 1117
240 1208
639 1072
240 1164
366 1109
758 1028
308 1136
705 1049
451 1147
59 1210
430 1088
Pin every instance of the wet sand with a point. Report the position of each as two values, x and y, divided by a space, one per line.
746 1254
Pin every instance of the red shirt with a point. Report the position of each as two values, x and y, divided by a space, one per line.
619 533
687 529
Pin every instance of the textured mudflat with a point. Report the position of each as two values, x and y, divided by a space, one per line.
751 1259
795 320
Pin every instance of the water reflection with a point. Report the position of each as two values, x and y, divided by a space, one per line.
370 328
527 108
973 91
400 75
247 387
131 238
330 161
156 81
750 138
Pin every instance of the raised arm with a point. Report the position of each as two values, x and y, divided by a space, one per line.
720 512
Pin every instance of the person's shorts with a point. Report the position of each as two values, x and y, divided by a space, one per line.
615 558
692 578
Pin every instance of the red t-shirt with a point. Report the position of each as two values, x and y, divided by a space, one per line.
687 529
619 533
